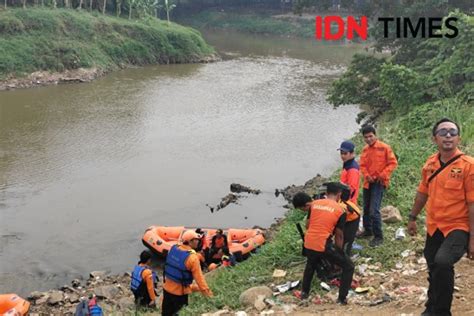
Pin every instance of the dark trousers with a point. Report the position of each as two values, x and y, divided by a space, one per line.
172 303
372 201
142 297
441 254
334 256
350 231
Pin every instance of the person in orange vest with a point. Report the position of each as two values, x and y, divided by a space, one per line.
202 247
219 247
326 218
377 162
352 219
143 281
447 190
350 174
182 267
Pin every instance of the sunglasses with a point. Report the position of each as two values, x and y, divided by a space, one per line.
444 132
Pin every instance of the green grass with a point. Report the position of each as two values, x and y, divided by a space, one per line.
56 40
409 136
252 23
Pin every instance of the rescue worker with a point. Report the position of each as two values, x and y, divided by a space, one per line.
377 162
352 219
350 174
202 247
219 247
447 190
181 268
324 270
143 281
326 218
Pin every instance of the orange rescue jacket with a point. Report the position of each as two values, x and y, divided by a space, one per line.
449 194
377 161
325 214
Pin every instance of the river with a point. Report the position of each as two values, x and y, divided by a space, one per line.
85 168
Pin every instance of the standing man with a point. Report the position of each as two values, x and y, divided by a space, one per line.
377 163
326 218
350 174
447 189
181 268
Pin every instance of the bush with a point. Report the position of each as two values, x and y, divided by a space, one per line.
11 25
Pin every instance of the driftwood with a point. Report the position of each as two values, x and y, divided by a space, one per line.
238 188
226 200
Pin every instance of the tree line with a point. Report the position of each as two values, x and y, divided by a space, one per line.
129 8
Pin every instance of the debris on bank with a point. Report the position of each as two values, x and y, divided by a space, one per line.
111 291
313 186
238 188
233 198
226 200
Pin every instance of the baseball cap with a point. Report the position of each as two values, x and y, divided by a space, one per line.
189 235
347 146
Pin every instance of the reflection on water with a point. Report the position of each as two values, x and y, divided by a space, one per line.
85 168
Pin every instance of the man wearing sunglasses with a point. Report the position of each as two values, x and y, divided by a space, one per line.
447 189
377 162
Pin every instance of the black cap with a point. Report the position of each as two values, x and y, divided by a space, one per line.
334 187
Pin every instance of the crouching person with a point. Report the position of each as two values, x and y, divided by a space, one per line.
326 217
181 268
144 281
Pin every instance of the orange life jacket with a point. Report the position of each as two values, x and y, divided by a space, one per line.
351 209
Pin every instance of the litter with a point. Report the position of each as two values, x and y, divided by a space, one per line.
325 286
421 261
405 253
279 273
357 247
361 290
400 233
317 300
282 288
384 299
362 268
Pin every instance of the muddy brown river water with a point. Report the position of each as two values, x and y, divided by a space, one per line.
85 168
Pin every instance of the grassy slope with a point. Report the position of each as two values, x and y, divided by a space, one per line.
409 136
45 39
252 23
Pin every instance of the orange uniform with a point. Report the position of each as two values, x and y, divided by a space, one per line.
353 213
350 175
377 161
192 264
322 221
147 276
448 194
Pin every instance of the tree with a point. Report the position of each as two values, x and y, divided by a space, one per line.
168 9
131 4
118 8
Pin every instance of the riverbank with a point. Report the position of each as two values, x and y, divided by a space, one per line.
44 46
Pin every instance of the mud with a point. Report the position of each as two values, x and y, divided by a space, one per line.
45 78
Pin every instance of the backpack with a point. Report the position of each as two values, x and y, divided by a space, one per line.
88 308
